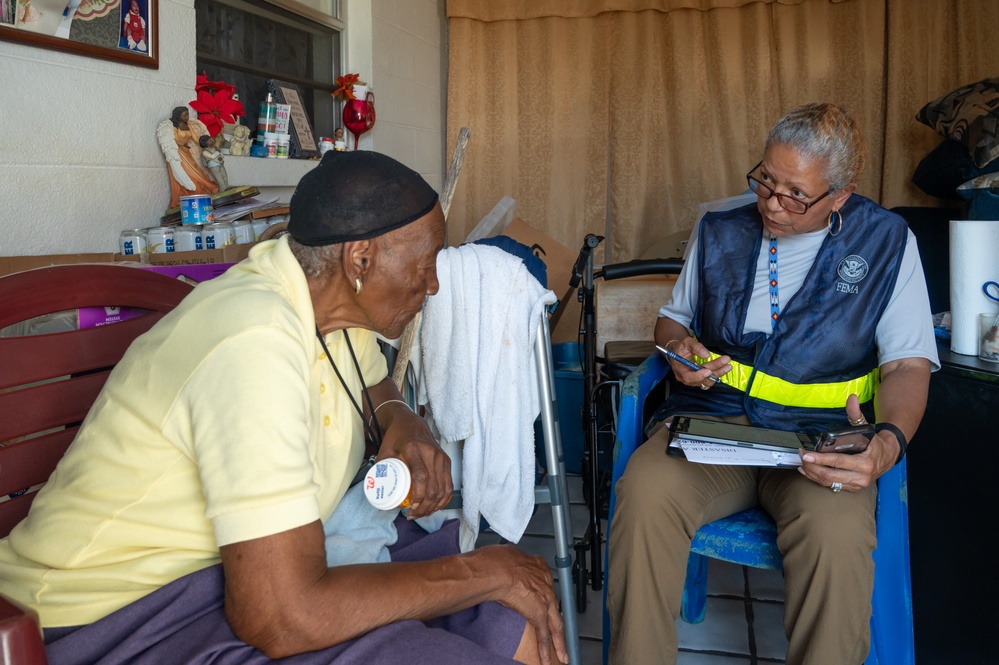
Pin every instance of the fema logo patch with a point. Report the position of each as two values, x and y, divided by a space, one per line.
852 269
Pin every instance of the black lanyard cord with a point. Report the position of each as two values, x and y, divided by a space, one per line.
373 434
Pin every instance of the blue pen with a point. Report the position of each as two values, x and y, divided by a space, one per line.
689 364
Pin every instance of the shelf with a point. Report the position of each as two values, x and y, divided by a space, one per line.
263 172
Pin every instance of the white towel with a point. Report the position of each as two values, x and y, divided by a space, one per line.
479 380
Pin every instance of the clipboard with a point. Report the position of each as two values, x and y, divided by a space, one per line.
715 442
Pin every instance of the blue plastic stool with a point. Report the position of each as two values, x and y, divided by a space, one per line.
749 538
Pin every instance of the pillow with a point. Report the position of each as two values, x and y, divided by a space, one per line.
947 166
970 115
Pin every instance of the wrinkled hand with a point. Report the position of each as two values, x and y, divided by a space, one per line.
689 347
530 592
410 440
856 471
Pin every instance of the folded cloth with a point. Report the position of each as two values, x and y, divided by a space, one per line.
357 532
478 378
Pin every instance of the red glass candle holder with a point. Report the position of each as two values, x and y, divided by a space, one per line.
359 115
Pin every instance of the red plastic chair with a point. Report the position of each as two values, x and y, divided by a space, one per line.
48 383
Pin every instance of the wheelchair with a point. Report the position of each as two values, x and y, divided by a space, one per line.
603 373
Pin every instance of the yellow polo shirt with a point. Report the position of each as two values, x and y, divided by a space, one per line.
223 423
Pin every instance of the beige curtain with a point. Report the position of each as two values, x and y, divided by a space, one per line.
618 117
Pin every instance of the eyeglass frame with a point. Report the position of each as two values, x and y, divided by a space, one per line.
780 197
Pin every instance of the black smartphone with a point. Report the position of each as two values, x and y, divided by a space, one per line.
847 441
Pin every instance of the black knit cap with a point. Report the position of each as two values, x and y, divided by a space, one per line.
356 195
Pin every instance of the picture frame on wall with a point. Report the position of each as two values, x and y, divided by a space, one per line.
303 144
119 30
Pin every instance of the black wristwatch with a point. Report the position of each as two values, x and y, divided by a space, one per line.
902 443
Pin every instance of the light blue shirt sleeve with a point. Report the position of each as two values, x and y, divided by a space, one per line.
680 307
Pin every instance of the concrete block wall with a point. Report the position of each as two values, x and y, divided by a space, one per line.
409 39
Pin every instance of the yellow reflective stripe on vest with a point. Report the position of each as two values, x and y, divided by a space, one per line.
807 395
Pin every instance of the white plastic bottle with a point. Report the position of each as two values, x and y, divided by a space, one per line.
388 484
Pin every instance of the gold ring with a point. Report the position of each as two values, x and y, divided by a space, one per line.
859 421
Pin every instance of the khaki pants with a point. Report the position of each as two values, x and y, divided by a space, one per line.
826 538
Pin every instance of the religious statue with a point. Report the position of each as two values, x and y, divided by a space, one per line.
215 162
240 142
179 138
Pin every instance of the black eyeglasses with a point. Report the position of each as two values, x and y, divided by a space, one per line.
789 203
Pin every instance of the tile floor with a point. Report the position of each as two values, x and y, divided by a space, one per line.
743 621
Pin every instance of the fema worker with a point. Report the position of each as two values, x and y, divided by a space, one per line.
810 306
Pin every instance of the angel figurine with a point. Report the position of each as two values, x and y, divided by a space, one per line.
179 138
239 144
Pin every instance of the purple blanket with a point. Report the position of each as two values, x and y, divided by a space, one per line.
184 622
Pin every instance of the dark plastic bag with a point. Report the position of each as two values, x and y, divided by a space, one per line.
982 193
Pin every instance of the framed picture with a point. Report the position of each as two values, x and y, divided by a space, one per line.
303 138
120 30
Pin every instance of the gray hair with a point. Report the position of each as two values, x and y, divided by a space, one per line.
316 261
824 132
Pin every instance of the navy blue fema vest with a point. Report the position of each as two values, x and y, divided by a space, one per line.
826 332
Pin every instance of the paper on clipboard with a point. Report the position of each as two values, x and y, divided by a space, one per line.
719 453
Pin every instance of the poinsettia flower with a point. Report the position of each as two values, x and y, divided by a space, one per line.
202 83
345 91
215 109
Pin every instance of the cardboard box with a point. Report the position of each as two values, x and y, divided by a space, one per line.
261 213
12 264
219 257
229 254
558 260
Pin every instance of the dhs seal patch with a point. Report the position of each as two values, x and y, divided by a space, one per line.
852 269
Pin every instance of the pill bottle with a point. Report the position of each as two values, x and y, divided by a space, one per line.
387 484
283 145
271 142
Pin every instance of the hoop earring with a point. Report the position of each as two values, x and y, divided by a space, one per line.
829 224
358 285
